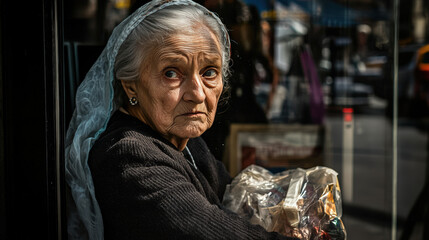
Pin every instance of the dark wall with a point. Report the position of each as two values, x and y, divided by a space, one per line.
29 131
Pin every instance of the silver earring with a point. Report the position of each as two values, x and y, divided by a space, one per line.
133 101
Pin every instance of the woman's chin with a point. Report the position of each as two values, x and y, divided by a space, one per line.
193 130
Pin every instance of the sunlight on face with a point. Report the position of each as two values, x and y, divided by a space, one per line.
181 84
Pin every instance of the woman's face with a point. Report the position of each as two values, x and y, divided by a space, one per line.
180 85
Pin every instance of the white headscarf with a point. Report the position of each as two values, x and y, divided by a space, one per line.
94 106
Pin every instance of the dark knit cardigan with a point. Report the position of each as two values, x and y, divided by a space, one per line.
147 189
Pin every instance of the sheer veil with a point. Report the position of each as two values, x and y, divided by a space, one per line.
94 106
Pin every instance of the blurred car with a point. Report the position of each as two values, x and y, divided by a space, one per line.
422 73
421 82
407 60
423 63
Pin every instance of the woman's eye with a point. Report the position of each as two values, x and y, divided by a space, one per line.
171 74
211 73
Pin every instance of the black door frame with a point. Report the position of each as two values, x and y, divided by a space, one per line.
31 120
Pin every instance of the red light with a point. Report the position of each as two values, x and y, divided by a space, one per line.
348 114
347 110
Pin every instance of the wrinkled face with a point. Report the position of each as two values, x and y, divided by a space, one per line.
180 85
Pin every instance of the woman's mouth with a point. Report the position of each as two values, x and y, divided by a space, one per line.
193 114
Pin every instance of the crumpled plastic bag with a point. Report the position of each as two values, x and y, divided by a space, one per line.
297 203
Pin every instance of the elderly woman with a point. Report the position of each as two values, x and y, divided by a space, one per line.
136 165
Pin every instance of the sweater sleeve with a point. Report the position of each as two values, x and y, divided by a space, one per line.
148 195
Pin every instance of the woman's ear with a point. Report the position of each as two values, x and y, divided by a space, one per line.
129 88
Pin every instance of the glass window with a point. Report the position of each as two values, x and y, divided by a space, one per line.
336 83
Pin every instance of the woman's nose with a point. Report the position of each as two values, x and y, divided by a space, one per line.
194 90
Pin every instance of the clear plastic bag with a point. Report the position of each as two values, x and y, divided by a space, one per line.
297 203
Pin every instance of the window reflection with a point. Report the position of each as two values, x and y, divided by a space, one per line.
313 85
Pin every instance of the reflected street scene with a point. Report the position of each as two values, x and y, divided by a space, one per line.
342 84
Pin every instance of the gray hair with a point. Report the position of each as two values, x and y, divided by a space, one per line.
152 30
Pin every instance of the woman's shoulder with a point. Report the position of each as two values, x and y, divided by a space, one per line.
126 135
123 129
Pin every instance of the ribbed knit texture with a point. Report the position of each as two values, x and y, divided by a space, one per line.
146 189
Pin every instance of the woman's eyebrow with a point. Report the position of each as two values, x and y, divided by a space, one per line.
213 57
213 61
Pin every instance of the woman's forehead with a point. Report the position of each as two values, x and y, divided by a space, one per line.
189 42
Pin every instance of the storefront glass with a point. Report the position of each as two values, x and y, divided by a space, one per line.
336 83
